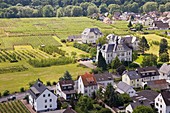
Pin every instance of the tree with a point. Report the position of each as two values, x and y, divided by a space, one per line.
85 103
126 98
139 27
47 11
143 109
6 93
114 8
67 10
162 8
130 24
163 47
167 6
143 45
111 97
150 6
73 54
60 12
101 62
92 9
121 69
103 8
164 57
48 83
22 89
116 63
149 60
76 11
67 76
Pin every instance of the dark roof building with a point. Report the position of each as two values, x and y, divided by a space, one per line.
161 25
158 84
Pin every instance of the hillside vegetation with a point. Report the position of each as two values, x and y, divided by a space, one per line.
51 8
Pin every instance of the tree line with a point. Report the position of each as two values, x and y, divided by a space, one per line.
59 8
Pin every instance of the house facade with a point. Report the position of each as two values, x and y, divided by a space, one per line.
86 84
110 51
103 79
140 76
41 98
91 35
65 89
162 102
165 72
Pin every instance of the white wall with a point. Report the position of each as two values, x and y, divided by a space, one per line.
41 101
90 38
80 86
129 109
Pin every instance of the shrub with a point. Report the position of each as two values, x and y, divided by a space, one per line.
6 93
48 83
63 40
64 105
83 47
134 65
159 64
22 89
54 83
0 95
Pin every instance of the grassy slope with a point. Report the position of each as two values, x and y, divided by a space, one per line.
14 81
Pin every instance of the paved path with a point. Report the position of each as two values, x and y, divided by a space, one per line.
88 64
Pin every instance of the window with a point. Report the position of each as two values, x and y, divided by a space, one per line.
161 106
160 111
137 80
157 104
45 101
108 55
85 91
50 105
45 106
50 100
44 95
48 95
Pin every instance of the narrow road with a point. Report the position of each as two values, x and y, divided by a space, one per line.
88 64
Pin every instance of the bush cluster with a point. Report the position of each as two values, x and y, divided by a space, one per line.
50 62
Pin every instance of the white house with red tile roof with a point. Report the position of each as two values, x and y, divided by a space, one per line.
86 84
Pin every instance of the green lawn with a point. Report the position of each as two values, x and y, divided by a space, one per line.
154 49
14 81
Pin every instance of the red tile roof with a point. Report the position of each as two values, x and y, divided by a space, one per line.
88 79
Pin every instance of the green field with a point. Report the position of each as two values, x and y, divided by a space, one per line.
14 81
13 107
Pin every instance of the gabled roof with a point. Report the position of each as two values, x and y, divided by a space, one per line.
165 68
88 79
132 74
166 97
37 89
123 86
145 97
160 24
148 71
69 110
103 76
96 31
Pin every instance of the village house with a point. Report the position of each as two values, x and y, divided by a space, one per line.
162 102
140 76
91 35
122 88
103 79
41 98
86 84
165 72
159 25
145 98
107 20
65 89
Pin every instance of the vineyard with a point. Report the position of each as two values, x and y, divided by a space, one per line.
19 55
13 107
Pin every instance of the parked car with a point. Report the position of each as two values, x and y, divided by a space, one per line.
11 98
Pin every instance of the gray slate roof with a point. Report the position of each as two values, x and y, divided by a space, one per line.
165 68
147 71
37 89
103 76
166 97
145 97
123 86
96 31
132 74
158 84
